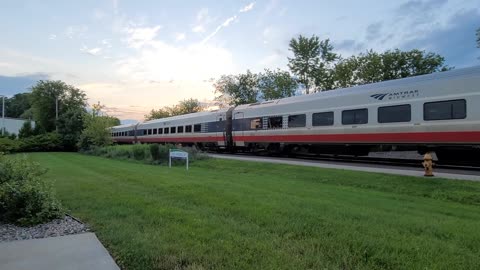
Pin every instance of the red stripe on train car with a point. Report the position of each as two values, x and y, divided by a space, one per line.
416 137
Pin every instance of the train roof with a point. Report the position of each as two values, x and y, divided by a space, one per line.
369 87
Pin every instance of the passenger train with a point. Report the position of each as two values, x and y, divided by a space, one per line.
437 112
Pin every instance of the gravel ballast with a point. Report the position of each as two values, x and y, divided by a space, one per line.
56 227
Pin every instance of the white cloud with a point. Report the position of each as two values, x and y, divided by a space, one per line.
224 24
180 36
140 36
106 43
93 51
98 14
247 7
52 37
198 29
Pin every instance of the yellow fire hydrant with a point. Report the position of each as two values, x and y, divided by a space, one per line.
428 164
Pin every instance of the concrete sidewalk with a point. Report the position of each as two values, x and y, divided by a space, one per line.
72 252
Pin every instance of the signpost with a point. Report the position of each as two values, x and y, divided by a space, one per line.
177 153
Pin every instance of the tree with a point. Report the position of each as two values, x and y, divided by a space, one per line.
312 62
97 131
276 84
189 106
183 107
18 106
43 100
237 89
70 127
26 130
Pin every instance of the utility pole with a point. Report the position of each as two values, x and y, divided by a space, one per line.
3 115
56 113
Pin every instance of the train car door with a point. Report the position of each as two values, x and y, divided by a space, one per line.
220 130
238 129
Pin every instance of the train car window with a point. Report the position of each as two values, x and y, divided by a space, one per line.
299 120
166 130
173 130
444 110
394 114
188 129
322 119
150 132
180 129
144 132
160 131
155 131
275 122
256 123
197 128
355 117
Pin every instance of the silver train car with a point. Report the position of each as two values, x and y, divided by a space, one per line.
437 112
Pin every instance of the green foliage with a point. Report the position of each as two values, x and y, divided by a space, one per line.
26 130
237 89
43 99
183 107
18 106
96 132
46 142
146 153
70 127
373 67
312 62
276 84
8 145
25 198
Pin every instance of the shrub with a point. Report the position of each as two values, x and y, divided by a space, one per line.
155 151
138 151
8 145
25 199
47 142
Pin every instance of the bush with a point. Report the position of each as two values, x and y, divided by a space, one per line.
9 146
147 153
25 199
47 142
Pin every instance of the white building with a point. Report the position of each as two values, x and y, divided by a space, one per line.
13 125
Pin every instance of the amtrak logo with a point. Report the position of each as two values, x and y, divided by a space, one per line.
379 96
396 95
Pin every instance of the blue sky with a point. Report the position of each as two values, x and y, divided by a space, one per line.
137 55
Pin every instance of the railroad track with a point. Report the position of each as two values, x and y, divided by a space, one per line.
398 162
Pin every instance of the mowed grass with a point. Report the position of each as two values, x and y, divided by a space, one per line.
225 214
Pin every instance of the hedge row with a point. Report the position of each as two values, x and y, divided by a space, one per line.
147 153
39 143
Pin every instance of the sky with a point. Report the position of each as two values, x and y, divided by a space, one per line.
134 56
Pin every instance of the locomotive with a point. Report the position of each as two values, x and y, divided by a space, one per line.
437 112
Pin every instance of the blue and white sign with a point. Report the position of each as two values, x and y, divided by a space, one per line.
179 154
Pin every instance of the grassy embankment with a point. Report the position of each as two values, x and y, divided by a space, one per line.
240 215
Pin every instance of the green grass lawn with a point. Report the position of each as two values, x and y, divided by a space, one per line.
225 214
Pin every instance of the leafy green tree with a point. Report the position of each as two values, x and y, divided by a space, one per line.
26 130
18 106
97 131
70 126
189 106
183 107
373 67
43 100
237 89
276 84
312 62
157 114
